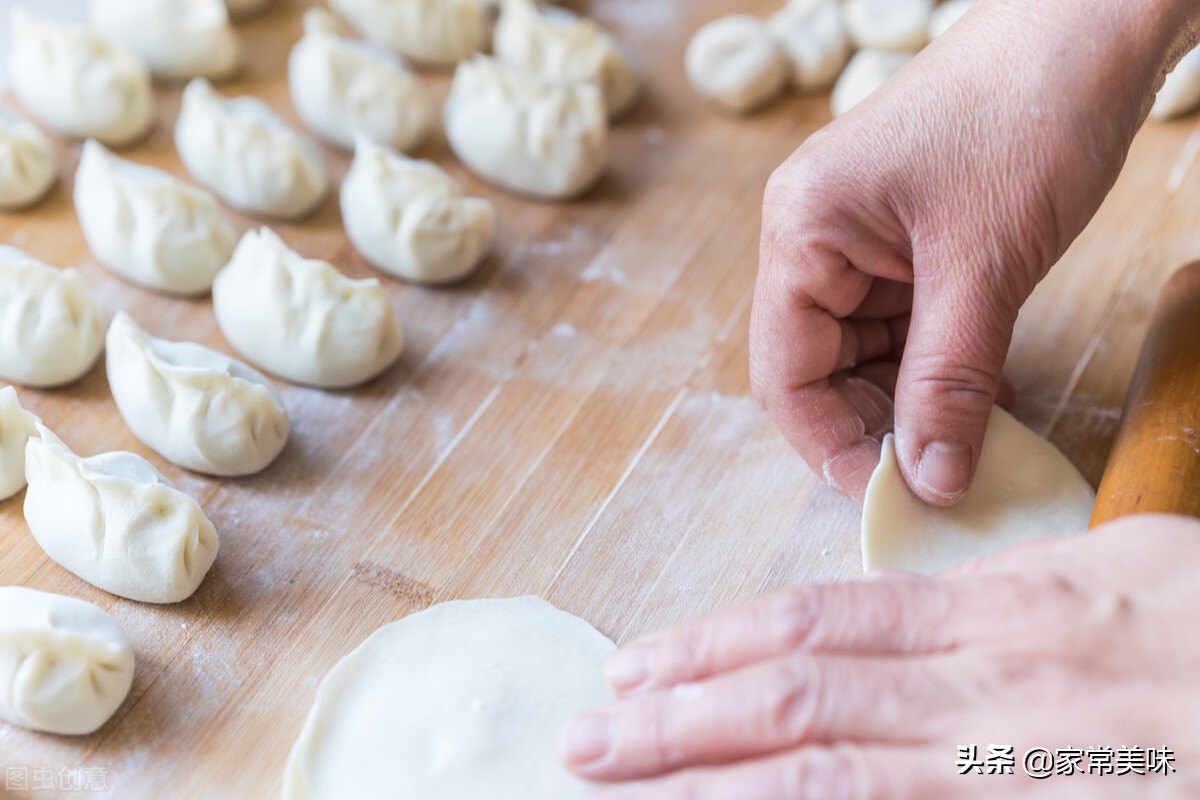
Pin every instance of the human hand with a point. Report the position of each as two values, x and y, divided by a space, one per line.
867 690
900 242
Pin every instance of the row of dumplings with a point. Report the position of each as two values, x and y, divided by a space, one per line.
741 62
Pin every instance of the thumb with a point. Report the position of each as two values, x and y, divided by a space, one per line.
962 325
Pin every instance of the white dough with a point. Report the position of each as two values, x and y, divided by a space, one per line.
525 133
51 331
813 38
148 226
241 150
28 168
867 71
946 14
78 83
437 33
565 48
195 407
1180 93
303 320
410 219
1024 489
735 62
463 701
65 665
900 25
116 522
16 426
342 88
177 39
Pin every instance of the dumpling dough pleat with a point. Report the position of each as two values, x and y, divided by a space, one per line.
177 39
245 153
195 407
525 133
1024 489
567 49
410 219
114 521
813 38
342 89
438 33
51 331
78 83
303 320
65 665
27 165
735 62
16 426
148 226
462 701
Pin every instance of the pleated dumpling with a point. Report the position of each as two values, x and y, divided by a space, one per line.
437 33
16 426
301 319
51 331
27 165
195 407
524 132
116 522
177 39
411 219
78 83
245 153
148 226
65 665
343 88
565 48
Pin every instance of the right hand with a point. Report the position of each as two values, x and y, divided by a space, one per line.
900 242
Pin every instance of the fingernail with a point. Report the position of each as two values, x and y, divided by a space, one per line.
628 669
945 468
586 738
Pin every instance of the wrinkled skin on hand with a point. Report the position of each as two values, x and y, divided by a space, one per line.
900 242
865 691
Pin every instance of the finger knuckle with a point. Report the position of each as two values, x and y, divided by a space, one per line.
828 773
790 696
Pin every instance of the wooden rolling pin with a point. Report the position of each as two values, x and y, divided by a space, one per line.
1155 462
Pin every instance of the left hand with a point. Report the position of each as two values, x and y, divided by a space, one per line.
867 690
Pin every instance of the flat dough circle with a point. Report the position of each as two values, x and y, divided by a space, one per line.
463 701
1024 489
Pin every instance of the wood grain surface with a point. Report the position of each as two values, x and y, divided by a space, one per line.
574 422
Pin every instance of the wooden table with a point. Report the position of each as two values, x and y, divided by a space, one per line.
573 422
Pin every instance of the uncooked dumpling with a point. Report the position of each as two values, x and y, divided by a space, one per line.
565 48
177 39
16 426
1180 93
945 15
344 88
1024 489
524 132
148 226
411 219
460 702
735 62
51 331
245 153
900 25
813 38
116 522
433 32
27 164
301 319
867 71
78 83
65 665
195 407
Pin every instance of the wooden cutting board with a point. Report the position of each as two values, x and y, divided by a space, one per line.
573 422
